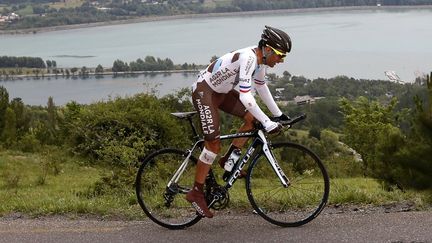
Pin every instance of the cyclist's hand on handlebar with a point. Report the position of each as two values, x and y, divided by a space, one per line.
273 127
282 117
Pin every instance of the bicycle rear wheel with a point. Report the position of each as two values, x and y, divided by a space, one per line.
166 206
302 200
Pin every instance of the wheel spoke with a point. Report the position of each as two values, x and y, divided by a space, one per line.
166 206
302 199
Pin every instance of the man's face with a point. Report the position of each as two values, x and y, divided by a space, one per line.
274 57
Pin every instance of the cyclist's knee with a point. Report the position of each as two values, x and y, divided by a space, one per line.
210 151
213 145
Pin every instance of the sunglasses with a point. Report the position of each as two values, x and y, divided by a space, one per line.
277 52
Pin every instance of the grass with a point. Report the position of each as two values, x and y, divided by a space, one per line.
59 194
214 3
67 4
28 10
63 192
370 191
349 191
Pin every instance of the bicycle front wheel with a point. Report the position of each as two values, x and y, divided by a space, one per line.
302 200
163 204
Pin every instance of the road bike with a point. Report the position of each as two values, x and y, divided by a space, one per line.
286 183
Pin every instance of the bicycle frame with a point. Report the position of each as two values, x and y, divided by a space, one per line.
271 198
260 140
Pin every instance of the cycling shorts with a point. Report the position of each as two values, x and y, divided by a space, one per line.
207 102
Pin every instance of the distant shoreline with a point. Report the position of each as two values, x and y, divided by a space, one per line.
91 74
190 16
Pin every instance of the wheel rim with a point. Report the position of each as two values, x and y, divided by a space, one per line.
153 195
303 200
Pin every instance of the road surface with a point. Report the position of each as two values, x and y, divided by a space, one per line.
247 227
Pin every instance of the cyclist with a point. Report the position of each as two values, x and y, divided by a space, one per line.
214 89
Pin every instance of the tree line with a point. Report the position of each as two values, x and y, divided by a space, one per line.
37 67
151 63
252 5
29 62
45 16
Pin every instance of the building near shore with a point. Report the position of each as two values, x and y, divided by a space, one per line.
9 18
306 99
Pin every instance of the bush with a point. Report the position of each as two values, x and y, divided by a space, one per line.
120 131
343 166
315 133
29 143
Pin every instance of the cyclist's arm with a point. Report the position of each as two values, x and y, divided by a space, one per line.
247 66
264 92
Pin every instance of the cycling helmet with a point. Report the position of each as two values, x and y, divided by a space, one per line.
276 38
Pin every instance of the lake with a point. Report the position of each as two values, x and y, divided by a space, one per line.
93 89
358 43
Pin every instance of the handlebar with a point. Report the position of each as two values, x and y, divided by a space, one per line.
293 120
287 123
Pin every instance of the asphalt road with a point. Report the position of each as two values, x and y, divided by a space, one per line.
328 227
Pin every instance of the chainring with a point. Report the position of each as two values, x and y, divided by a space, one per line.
220 195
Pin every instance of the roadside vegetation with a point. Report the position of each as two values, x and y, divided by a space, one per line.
82 158
40 184
47 13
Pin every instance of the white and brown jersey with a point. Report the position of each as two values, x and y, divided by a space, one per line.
237 67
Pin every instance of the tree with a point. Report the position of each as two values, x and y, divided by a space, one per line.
74 70
4 103
407 157
120 66
52 114
286 76
99 69
84 71
213 58
8 136
365 121
21 115
49 64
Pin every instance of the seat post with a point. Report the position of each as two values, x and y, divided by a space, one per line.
193 128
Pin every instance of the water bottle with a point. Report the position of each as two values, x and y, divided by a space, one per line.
234 156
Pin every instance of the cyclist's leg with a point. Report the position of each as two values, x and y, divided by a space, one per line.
206 102
233 106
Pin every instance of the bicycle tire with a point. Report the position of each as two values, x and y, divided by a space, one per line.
302 200
151 182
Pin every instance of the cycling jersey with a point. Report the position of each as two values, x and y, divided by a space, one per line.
237 67
240 68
